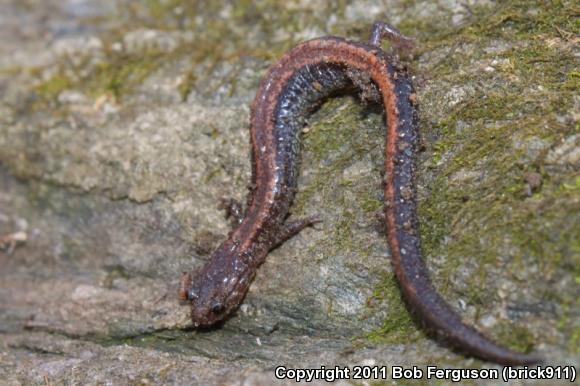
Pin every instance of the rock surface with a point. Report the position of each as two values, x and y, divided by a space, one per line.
123 123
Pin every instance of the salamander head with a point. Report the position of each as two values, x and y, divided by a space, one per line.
216 292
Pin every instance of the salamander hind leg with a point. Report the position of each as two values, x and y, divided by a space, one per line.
292 228
399 41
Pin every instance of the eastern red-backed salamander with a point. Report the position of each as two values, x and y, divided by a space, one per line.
293 87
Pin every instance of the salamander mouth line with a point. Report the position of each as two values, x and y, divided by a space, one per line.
305 76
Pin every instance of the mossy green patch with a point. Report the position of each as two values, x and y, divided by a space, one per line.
118 76
522 19
53 86
398 327
336 140
113 78
515 336
218 39
574 345
475 208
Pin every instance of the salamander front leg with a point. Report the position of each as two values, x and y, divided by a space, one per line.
292 228
234 210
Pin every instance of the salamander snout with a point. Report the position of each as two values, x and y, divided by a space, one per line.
207 313
216 291
206 308
211 300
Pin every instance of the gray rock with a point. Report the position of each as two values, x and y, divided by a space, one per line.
123 123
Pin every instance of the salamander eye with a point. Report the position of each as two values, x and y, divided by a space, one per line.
217 308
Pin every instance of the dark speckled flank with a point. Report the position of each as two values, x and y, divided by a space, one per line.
293 87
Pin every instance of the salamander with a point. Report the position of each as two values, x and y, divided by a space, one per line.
293 87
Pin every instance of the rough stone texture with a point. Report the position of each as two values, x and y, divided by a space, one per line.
123 123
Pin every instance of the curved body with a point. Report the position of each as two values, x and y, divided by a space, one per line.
304 77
